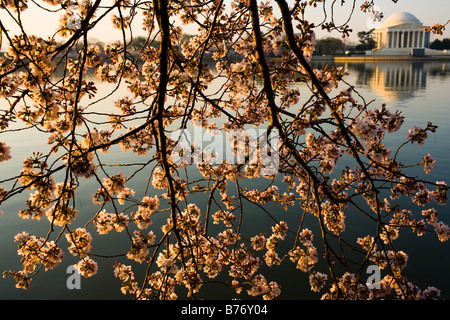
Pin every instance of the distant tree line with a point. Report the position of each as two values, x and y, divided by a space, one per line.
329 46
333 46
440 44
325 46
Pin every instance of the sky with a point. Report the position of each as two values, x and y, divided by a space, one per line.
428 11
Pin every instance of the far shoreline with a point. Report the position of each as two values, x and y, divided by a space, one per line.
362 58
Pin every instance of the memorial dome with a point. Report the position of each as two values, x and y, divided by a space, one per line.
400 18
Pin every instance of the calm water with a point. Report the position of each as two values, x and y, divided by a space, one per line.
420 90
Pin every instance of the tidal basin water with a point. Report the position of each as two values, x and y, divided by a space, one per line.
421 90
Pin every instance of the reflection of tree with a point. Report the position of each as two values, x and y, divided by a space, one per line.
438 69
363 71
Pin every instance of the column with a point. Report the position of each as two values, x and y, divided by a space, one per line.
416 37
411 37
399 39
427 40
405 39
421 39
389 39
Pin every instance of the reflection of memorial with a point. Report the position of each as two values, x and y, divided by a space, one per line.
398 81
393 81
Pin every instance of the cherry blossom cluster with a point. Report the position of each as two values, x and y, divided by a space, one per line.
35 252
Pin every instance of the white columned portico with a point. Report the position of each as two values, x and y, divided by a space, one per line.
399 34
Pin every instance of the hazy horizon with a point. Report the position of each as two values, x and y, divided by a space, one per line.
428 12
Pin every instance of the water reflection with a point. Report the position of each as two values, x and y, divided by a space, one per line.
384 80
395 81
399 82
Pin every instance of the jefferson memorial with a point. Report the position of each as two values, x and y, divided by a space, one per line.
402 34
